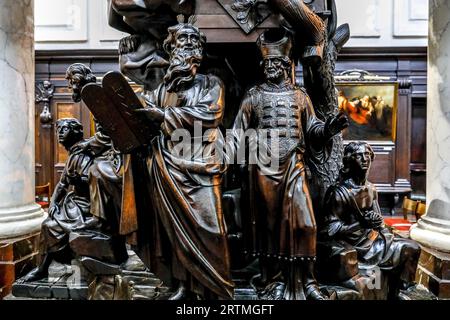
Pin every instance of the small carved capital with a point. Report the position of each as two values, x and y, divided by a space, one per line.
44 94
357 75
44 91
405 83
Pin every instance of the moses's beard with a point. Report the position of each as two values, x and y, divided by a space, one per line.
182 69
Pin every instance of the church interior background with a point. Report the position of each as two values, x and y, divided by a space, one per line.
391 81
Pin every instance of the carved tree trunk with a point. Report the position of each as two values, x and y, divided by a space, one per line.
300 17
321 87
309 28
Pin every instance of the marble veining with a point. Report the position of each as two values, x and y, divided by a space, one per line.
434 230
16 103
18 212
438 174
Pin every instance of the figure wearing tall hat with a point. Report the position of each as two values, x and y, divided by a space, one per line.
282 228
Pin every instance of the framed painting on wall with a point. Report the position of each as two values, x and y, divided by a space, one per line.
371 108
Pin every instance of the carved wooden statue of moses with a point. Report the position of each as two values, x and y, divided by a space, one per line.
181 229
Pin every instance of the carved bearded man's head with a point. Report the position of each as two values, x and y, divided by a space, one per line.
78 75
185 48
276 47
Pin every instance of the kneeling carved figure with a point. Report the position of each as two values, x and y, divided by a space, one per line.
354 221
70 203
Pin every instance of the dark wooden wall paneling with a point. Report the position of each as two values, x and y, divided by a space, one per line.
52 66
402 64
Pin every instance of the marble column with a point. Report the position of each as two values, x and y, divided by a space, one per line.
19 214
433 230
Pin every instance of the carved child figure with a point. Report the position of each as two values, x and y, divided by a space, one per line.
70 204
354 219
105 175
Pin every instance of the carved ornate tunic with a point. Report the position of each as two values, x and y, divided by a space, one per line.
281 215
277 117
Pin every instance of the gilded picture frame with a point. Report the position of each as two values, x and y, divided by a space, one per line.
371 107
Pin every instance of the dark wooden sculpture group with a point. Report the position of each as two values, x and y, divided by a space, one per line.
306 208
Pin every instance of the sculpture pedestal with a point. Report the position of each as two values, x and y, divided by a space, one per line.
433 230
433 233
17 257
87 278
433 272
20 216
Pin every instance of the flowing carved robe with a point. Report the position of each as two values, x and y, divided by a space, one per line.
105 180
345 206
74 208
185 224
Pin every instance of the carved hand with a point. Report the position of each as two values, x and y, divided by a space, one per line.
336 124
153 113
129 44
53 210
374 220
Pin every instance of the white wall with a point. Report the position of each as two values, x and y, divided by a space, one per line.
73 24
385 23
82 24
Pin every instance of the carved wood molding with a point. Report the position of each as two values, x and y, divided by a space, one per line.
44 93
357 75
405 83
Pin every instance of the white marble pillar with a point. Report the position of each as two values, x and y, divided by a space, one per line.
19 214
434 229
